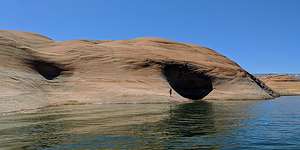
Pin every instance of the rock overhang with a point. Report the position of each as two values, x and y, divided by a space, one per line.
115 69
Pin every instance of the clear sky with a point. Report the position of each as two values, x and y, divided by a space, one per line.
263 36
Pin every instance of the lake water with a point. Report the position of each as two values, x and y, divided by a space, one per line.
226 125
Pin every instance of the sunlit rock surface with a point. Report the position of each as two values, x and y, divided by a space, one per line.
36 71
284 84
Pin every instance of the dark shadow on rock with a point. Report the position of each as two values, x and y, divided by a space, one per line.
187 81
48 70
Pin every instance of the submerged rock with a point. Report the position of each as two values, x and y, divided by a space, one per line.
36 71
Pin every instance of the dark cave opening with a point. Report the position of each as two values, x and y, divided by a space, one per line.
46 69
186 81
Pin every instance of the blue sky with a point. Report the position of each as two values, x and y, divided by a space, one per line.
263 36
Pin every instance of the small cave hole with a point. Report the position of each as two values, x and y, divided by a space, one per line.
186 81
48 70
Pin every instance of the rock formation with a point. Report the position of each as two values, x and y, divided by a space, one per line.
36 71
285 85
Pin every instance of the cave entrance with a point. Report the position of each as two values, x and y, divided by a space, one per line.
187 82
48 70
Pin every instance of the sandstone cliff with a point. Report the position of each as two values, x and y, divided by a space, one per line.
285 85
36 71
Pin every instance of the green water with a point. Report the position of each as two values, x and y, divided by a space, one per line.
272 124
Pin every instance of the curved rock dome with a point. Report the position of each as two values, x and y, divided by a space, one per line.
36 71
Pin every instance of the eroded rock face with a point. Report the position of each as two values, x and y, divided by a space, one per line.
186 81
36 71
285 85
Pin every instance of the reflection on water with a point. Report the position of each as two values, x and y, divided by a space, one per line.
200 125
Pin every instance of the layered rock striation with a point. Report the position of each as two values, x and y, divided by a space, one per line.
284 84
36 71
